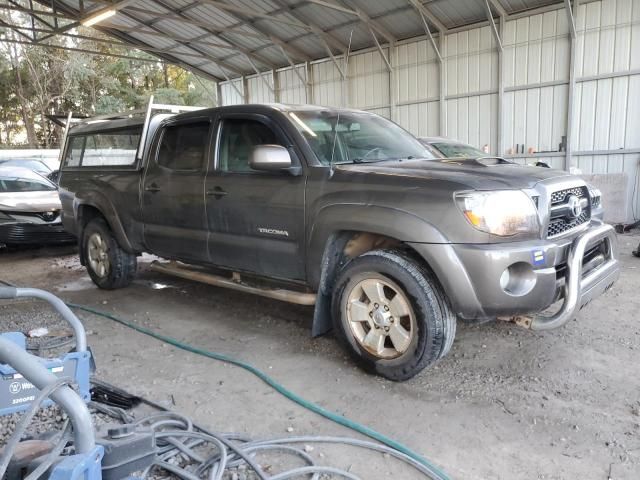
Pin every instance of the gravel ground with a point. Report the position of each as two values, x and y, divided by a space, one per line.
506 403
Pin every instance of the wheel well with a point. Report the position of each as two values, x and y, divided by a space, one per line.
340 249
86 213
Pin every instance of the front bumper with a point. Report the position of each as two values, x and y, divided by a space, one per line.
34 234
575 270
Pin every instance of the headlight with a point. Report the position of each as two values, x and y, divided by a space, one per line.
503 212
596 196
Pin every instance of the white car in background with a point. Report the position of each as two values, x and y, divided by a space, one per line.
29 209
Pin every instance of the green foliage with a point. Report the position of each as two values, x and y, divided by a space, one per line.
36 81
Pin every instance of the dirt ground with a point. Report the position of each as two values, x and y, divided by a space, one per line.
505 404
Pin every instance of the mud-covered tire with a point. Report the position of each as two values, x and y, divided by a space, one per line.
430 314
120 267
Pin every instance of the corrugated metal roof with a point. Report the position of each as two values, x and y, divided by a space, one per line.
227 38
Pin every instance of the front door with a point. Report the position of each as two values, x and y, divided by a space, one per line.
256 219
173 206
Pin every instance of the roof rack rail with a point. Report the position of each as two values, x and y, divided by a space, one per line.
151 107
148 112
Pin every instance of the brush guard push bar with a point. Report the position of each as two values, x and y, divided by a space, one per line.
579 289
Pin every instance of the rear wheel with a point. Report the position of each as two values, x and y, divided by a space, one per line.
108 265
391 314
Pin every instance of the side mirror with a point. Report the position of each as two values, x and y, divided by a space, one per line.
269 158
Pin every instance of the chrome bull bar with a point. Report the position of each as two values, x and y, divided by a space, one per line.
579 290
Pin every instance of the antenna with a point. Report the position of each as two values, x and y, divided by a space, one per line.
335 133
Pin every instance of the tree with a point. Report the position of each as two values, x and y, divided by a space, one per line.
37 81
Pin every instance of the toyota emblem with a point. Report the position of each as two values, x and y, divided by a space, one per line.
575 206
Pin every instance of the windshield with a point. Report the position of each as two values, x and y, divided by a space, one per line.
17 183
361 137
458 150
34 165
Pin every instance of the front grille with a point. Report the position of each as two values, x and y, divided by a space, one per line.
561 195
34 234
44 216
564 222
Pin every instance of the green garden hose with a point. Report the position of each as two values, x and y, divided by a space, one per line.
334 417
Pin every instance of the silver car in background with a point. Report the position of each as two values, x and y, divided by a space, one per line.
29 209
443 147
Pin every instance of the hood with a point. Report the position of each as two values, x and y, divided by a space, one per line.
44 201
483 174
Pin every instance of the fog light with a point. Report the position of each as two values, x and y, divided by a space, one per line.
518 279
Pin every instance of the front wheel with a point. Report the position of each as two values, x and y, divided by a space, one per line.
108 265
391 314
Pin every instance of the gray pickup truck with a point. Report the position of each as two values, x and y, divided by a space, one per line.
341 209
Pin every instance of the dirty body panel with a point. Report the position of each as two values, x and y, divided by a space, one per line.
295 225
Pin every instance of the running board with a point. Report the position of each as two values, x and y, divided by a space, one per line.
183 271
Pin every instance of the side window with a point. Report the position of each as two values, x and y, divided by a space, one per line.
184 147
108 149
111 149
237 139
74 152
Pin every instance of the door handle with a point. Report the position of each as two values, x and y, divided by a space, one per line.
153 188
217 192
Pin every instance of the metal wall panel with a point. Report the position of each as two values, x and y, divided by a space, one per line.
536 49
536 69
292 90
421 119
328 86
473 120
417 72
258 91
368 80
471 61
228 94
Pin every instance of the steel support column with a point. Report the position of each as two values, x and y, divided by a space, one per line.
498 32
572 80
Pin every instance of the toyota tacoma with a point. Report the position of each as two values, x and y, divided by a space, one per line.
341 209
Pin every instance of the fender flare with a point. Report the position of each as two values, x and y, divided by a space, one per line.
332 229
101 203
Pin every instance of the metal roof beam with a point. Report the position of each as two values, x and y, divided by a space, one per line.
181 10
430 35
494 28
364 18
497 6
143 48
570 18
214 60
247 53
379 47
17 30
372 24
429 15
15 7
95 12
253 13
331 39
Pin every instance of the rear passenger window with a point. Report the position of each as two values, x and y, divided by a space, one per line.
184 147
115 148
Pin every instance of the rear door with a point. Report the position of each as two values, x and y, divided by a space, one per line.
173 207
256 218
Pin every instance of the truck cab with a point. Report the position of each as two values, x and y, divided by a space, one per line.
340 209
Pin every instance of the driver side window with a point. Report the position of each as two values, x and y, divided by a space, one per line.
238 137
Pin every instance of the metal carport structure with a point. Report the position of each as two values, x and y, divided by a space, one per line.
557 77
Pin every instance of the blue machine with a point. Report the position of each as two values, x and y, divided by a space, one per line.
17 393
27 375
